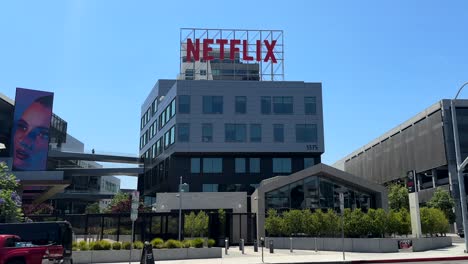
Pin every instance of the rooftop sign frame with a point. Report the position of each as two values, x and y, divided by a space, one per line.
244 53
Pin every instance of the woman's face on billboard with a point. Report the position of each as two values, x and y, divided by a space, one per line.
31 139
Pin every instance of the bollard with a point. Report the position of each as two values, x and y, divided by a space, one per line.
272 250
291 245
255 245
262 243
242 245
226 246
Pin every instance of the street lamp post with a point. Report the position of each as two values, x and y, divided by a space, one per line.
461 180
180 207
181 189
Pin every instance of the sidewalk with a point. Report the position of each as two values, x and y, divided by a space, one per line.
304 256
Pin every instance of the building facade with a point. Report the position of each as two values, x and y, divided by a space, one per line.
316 188
228 135
423 143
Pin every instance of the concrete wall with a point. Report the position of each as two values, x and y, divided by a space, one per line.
114 256
368 245
428 243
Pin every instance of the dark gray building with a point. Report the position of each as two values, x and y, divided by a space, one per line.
423 143
315 188
228 135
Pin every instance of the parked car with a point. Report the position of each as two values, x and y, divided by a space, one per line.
14 250
44 233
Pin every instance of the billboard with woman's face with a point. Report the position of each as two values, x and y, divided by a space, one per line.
30 132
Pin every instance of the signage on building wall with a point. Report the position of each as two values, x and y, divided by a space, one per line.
232 45
261 49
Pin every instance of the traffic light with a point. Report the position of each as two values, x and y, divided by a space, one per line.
411 181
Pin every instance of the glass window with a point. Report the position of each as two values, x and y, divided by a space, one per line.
172 135
282 104
240 165
278 199
210 187
235 132
309 162
173 108
212 165
306 133
212 104
203 72
311 192
296 194
310 105
266 105
189 74
278 133
207 132
183 132
254 165
326 194
159 147
195 165
166 139
184 104
241 104
255 133
281 165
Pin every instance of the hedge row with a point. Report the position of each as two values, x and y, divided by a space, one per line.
374 223
156 243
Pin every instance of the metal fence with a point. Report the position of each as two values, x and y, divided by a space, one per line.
118 227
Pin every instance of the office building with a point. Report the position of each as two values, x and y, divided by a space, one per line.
227 135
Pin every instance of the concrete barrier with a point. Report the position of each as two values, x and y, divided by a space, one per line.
113 256
366 245
428 243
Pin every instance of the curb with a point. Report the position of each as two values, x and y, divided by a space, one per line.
411 260
385 260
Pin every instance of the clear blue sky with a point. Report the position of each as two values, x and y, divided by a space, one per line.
380 62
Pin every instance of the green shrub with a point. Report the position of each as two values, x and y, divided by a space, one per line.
186 243
83 246
157 243
171 243
75 246
197 243
273 223
105 245
126 245
95 245
116 246
293 222
211 243
433 221
138 245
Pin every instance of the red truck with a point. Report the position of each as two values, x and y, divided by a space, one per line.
14 251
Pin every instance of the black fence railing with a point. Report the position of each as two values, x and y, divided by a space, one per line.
118 227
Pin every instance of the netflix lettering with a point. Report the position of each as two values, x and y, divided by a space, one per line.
193 49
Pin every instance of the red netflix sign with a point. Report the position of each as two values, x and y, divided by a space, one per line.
233 45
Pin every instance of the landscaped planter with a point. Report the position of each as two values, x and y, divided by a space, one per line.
428 243
112 256
368 245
